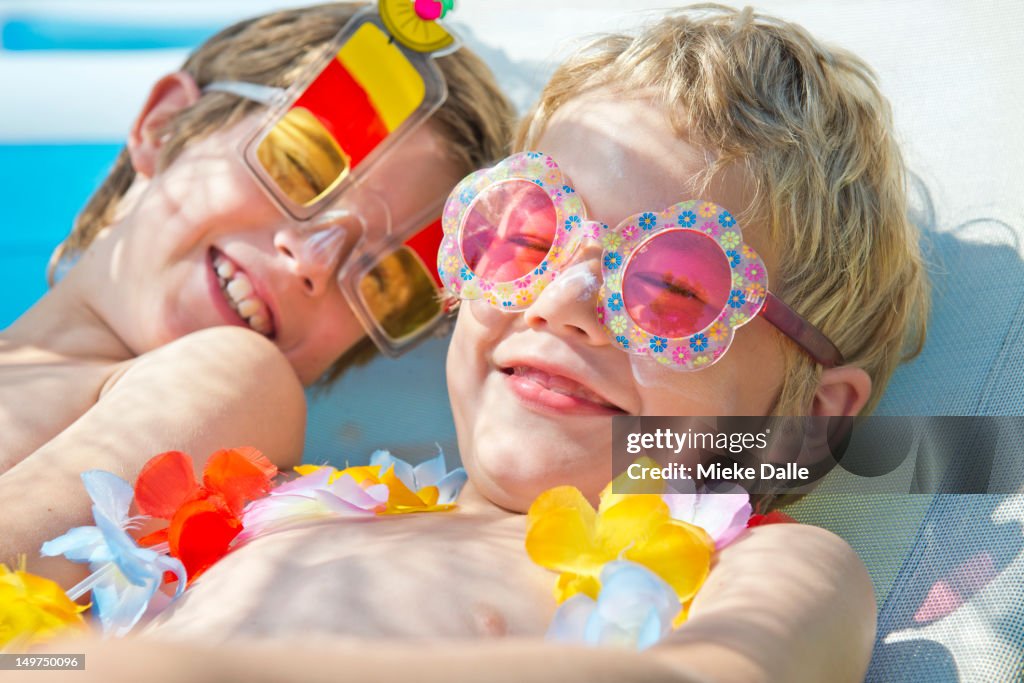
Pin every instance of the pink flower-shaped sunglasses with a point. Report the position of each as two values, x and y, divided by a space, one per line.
676 283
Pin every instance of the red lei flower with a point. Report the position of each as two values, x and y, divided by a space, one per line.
204 518
773 517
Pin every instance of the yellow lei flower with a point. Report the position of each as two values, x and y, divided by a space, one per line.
33 609
567 535
401 499
424 488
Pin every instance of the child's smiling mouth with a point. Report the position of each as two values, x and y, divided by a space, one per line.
551 391
240 295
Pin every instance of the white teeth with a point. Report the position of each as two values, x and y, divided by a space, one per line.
226 269
240 287
258 323
249 308
238 291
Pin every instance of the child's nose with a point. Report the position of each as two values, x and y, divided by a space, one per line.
569 304
314 255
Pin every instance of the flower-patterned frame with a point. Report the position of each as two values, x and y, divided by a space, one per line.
514 295
747 295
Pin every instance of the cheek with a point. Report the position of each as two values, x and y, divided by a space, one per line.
330 332
759 367
185 211
746 381
479 328
464 385
471 344
511 454
479 426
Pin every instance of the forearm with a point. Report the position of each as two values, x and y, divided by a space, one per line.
47 498
804 614
45 495
184 396
511 661
41 503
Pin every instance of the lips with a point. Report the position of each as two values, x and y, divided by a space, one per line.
549 388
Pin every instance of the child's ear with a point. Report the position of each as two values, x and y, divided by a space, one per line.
169 95
841 391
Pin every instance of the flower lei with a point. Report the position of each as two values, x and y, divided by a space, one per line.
629 570
33 609
235 501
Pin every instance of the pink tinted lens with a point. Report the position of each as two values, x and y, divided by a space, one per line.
508 230
676 284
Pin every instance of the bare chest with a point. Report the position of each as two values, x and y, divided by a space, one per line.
40 398
439 575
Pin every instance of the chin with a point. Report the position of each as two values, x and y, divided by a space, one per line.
512 472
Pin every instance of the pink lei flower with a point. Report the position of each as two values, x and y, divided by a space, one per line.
723 515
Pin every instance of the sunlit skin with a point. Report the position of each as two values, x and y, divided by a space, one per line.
449 595
208 200
140 333
147 280
621 162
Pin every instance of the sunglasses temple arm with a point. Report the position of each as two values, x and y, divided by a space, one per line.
801 331
256 92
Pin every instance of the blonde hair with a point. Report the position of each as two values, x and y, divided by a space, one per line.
274 50
814 135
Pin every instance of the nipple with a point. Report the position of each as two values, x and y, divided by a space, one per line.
489 621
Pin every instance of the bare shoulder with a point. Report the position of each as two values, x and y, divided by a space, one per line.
224 350
797 548
229 383
783 602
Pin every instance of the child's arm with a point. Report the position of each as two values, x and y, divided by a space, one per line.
785 602
335 660
217 388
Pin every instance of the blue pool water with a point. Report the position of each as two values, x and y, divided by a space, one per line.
42 188
33 32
